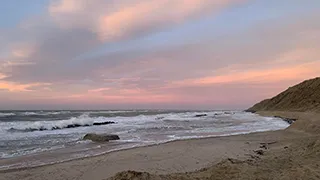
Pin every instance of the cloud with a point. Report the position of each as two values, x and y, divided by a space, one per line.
14 87
45 58
113 20
260 76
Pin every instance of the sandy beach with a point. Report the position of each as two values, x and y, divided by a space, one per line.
174 158
159 90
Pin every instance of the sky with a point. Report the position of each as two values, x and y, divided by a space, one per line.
154 54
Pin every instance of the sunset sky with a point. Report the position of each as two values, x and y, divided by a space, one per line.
146 54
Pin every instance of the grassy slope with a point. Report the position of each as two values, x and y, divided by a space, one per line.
298 158
304 97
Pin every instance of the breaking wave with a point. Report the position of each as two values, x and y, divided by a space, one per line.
45 113
74 122
6 114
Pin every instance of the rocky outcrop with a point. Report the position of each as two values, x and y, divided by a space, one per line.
304 97
100 137
201 115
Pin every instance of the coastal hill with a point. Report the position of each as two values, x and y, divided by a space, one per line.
294 154
304 97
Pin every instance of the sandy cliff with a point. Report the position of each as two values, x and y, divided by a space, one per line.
304 97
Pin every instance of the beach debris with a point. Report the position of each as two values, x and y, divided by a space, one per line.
134 175
259 152
288 120
268 143
253 156
234 161
201 115
264 146
100 137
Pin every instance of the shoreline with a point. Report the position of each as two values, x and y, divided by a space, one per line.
11 164
202 153
6 170
176 157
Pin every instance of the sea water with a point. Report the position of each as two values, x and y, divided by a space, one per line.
32 138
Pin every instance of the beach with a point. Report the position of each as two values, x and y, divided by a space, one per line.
174 158
48 137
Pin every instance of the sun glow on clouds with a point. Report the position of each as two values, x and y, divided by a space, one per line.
298 64
207 69
14 87
297 72
125 18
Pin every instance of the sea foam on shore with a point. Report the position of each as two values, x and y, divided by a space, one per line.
26 134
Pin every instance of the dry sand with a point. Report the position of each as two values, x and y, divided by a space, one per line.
286 154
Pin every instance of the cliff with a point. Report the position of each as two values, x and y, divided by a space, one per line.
304 97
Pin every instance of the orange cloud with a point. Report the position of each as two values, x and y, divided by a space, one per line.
294 72
14 87
22 52
2 76
98 90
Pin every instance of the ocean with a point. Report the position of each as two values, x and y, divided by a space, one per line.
33 138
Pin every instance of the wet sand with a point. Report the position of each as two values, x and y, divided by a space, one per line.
265 155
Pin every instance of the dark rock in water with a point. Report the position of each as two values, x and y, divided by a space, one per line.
103 123
201 115
159 118
58 127
288 120
100 137
250 111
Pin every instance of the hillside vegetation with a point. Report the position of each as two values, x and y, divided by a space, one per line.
304 97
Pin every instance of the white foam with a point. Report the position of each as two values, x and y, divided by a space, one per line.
60 124
109 112
44 113
7 114
147 129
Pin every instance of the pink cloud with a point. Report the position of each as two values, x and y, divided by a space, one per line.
261 76
125 18
15 87
98 90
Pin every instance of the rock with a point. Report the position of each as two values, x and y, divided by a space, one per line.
159 118
103 123
100 137
201 115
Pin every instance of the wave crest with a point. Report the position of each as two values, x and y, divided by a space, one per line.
7 114
74 122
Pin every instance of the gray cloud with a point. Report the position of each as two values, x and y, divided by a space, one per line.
56 58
